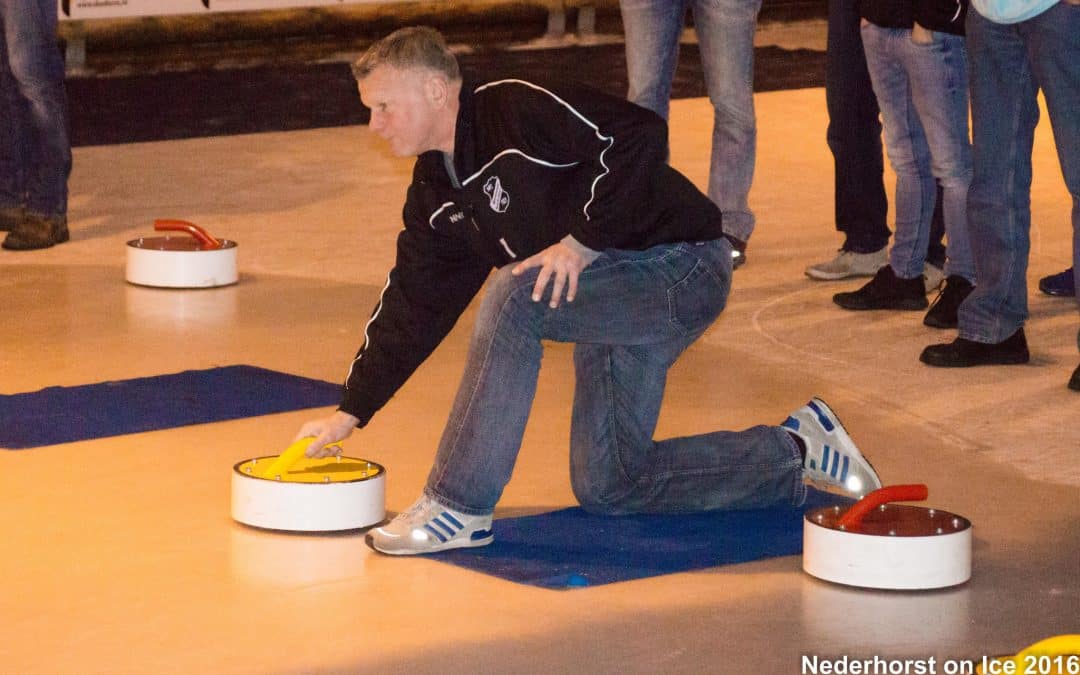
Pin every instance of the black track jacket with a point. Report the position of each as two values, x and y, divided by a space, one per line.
531 164
946 16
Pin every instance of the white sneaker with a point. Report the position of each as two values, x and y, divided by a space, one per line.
932 276
428 526
850 264
832 460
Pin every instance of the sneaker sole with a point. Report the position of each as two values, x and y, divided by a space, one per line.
1016 360
907 305
445 546
934 323
835 276
857 456
20 245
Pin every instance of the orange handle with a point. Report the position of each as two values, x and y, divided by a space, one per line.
852 519
207 241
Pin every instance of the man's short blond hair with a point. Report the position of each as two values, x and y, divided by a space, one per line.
412 47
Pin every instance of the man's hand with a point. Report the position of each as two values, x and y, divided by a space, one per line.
327 430
561 264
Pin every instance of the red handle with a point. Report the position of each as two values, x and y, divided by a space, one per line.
194 230
852 520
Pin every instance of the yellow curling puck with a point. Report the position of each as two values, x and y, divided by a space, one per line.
295 493
308 470
1057 655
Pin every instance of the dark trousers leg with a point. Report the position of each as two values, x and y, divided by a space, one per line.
854 134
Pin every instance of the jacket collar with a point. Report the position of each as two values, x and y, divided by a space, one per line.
464 132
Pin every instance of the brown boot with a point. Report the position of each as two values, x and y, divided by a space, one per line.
10 217
37 231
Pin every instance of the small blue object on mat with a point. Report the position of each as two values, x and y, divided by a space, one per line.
65 414
572 548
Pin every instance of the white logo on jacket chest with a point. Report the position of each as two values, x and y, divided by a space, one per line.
498 199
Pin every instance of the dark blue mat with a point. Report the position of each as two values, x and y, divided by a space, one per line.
571 548
65 414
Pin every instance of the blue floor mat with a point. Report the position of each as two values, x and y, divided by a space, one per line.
65 414
571 548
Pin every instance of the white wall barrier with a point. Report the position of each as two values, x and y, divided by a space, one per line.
82 10
71 10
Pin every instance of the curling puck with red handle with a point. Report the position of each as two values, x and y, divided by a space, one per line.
876 543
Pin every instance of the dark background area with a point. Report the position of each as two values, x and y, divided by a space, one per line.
161 78
290 96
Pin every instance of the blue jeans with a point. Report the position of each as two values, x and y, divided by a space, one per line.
35 154
1009 64
922 92
634 313
725 30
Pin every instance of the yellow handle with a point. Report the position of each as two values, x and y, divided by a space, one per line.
291 456
1058 654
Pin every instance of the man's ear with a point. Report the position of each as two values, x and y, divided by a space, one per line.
437 90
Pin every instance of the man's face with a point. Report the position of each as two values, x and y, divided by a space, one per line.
402 108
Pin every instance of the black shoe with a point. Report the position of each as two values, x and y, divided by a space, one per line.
942 313
1060 284
1074 381
11 217
37 232
962 353
738 252
886 291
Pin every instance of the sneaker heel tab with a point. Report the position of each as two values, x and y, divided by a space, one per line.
822 411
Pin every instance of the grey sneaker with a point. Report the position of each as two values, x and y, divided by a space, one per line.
849 264
832 460
428 526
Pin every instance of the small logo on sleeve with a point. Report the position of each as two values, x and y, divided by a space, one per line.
498 199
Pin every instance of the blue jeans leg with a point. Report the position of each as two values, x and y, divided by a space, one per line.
617 468
35 70
725 30
906 146
854 135
652 29
939 89
1053 43
1004 112
635 312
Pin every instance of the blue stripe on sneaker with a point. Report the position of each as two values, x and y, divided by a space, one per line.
443 526
835 464
821 416
453 521
813 465
843 471
435 532
791 423
825 459
480 534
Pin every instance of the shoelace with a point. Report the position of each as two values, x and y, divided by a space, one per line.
414 510
940 295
